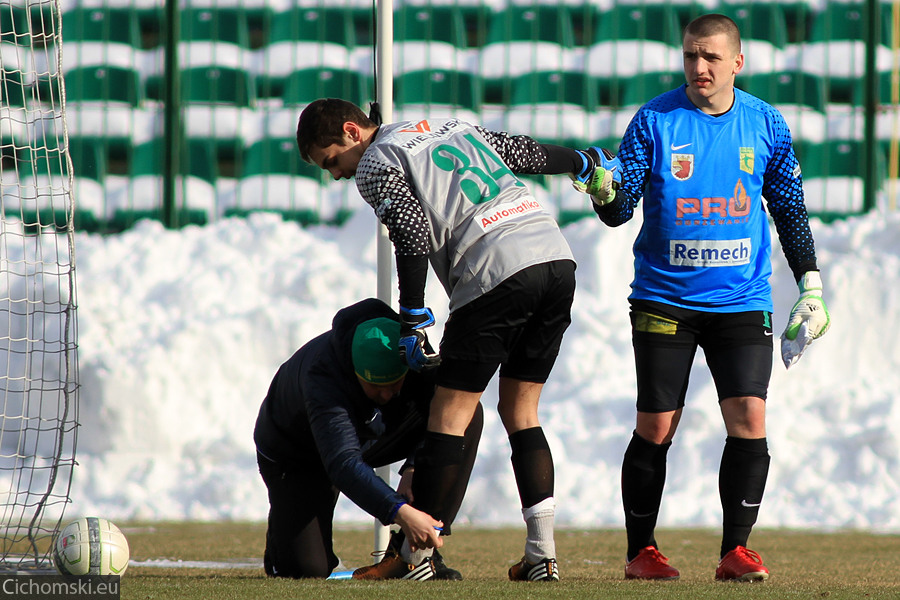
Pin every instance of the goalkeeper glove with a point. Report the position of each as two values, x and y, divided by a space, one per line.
600 175
809 319
412 338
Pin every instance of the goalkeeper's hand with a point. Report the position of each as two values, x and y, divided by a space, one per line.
412 338
809 319
600 175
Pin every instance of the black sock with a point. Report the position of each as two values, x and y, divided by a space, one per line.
643 479
742 481
438 465
532 465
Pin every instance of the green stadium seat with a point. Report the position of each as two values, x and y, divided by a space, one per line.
442 23
218 85
89 157
314 24
847 21
786 87
103 83
536 23
13 92
759 21
220 24
278 156
14 25
643 87
551 87
198 158
305 85
40 161
102 24
836 158
438 86
655 22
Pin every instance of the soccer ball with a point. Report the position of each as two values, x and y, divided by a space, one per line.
90 546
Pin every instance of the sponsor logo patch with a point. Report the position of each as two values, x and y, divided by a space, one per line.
420 136
650 323
710 253
507 212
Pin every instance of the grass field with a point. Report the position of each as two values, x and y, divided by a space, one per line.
804 565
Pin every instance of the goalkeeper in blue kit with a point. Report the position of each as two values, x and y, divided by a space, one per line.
448 194
702 158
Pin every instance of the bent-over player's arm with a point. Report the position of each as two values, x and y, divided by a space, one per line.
783 191
386 189
523 154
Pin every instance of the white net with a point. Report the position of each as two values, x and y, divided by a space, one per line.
38 367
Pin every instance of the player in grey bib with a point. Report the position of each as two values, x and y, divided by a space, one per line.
448 193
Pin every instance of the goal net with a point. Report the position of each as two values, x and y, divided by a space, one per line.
38 368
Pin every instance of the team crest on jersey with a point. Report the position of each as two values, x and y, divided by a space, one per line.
747 160
682 166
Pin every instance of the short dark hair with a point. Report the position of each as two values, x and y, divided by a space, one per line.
321 123
714 24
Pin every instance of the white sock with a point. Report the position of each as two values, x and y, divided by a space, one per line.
539 543
414 558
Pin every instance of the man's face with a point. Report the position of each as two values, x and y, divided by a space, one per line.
710 64
341 160
381 394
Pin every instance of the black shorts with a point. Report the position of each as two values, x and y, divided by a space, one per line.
738 349
518 326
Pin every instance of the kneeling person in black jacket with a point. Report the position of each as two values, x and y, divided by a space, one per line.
342 405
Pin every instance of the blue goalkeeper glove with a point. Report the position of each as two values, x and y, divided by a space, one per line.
412 338
600 175
809 319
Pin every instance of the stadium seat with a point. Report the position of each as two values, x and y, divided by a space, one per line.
836 158
437 86
280 156
653 22
417 55
222 24
102 24
217 85
838 21
108 84
643 87
90 156
786 87
297 199
625 58
14 25
306 85
885 81
197 158
314 24
554 87
499 63
12 91
440 23
839 58
759 21
535 22
275 62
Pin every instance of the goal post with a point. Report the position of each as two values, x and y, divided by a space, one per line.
38 332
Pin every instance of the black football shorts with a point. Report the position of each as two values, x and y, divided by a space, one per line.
518 326
738 349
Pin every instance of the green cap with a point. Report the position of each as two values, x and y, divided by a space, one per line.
376 356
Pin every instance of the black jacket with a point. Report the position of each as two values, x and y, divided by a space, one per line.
316 415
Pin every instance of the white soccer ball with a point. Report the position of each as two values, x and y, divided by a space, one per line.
90 546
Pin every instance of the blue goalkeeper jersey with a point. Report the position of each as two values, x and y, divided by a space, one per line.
705 242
